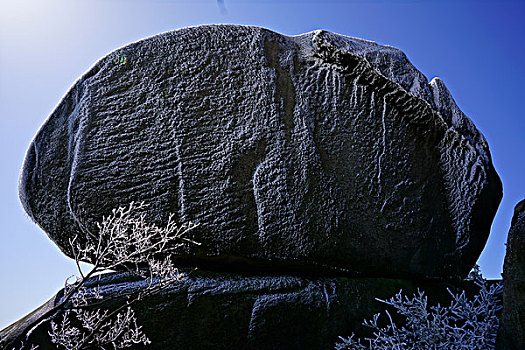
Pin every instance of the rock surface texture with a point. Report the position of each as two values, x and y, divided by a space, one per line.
512 329
228 311
317 151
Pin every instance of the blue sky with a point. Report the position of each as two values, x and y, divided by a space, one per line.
476 47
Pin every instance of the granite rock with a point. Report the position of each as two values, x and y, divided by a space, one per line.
511 335
314 152
229 311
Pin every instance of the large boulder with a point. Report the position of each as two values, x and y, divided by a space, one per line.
229 311
317 151
512 330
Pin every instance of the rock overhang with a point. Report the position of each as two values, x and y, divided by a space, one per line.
317 149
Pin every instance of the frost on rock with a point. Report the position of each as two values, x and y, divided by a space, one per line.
317 152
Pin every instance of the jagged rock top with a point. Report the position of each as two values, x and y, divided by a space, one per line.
317 152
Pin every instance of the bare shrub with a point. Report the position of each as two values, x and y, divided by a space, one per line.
124 240
468 324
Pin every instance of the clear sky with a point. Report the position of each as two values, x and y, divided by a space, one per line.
476 47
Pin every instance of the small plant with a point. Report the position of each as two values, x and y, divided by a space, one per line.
119 58
124 240
469 324
97 328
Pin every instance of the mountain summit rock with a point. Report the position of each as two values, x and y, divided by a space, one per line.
316 152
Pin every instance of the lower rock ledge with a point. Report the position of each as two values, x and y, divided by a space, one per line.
210 310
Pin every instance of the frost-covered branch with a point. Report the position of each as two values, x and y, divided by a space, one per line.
468 324
124 240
